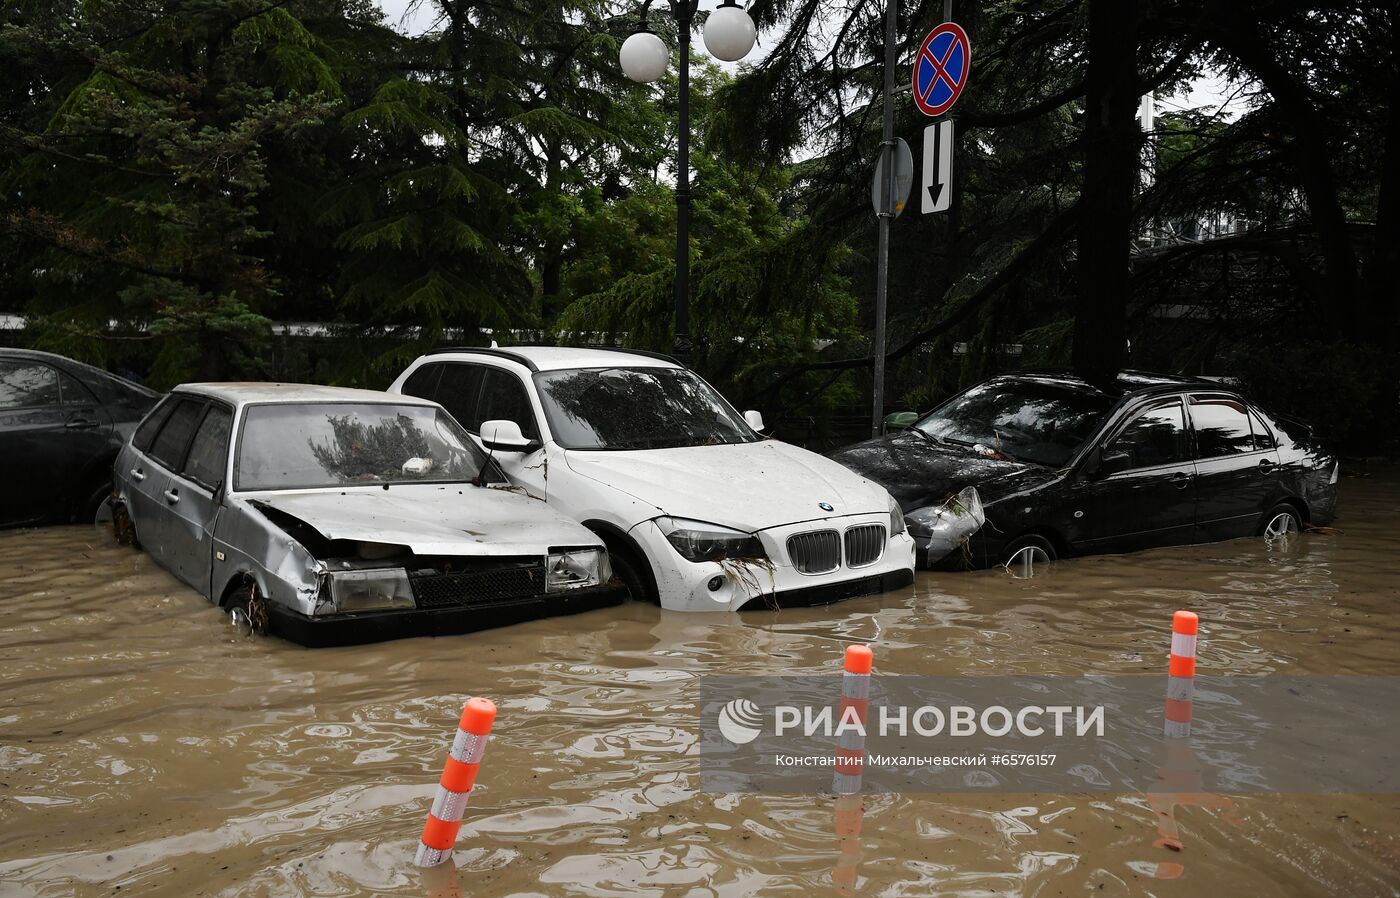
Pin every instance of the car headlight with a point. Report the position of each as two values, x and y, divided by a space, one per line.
958 517
896 518
577 568
377 590
698 541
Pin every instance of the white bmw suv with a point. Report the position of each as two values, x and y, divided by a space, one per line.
698 510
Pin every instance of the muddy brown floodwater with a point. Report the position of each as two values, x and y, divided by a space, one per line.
147 750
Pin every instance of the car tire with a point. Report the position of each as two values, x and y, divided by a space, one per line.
625 569
246 610
123 527
1283 520
1032 546
91 511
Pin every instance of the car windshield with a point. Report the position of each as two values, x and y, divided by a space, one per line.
307 445
1024 420
637 408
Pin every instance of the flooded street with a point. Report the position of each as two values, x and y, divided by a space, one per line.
147 750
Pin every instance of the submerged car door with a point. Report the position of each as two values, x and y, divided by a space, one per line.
1150 500
154 489
195 490
1237 469
31 426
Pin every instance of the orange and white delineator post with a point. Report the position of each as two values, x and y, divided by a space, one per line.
848 816
1179 779
1181 675
855 704
455 786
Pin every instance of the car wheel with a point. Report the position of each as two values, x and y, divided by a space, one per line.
1281 524
625 567
246 610
1022 554
96 509
123 527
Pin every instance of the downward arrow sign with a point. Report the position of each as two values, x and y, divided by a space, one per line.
938 167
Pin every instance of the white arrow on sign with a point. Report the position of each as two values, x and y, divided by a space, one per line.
937 184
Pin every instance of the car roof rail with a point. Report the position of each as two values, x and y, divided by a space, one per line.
491 351
644 352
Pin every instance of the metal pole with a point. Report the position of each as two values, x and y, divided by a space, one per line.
684 12
882 254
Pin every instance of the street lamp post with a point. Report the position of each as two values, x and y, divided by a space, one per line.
729 36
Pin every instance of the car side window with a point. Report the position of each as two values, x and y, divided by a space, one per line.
423 382
27 385
458 391
73 391
1222 427
168 448
209 451
503 398
150 425
1263 439
1155 437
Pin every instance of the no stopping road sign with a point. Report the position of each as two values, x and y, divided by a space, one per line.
941 68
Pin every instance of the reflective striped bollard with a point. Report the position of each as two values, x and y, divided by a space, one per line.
455 786
855 699
1181 674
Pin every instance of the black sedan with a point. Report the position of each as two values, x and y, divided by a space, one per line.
1066 467
61 425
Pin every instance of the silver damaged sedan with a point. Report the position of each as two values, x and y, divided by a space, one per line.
330 516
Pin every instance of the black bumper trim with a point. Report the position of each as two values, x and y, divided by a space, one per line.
830 593
358 629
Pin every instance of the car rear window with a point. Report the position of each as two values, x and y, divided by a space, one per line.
146 431
27 385
170 443
210 448
1222 427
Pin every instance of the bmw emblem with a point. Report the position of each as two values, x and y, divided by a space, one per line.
825 506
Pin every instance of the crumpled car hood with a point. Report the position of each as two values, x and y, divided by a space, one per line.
749 486
919 472
434 519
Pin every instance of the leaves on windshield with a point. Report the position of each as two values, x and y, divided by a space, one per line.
650 408
366 452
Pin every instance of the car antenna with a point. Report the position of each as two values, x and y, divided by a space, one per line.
480 478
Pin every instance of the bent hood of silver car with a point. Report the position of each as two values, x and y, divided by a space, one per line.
433 519
751 486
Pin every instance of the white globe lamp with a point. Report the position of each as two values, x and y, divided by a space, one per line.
730 32
644 57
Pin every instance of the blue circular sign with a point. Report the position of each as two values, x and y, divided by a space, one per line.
941 69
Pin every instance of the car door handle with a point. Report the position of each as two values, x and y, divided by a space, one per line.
138 475
172 496
1266 465
1181 480
80 423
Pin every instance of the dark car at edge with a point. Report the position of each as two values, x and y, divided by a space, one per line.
61 425
1067 467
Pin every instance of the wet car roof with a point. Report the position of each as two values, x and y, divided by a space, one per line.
555 358
255 391
1126 383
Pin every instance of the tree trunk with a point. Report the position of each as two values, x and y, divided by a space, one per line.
1381 313
1112 146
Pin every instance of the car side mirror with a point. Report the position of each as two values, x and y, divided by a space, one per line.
754 419
1112 463
505 436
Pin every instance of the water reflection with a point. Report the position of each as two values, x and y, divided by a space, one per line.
253 767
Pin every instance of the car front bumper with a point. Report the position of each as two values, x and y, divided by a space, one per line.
378 626
685 585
